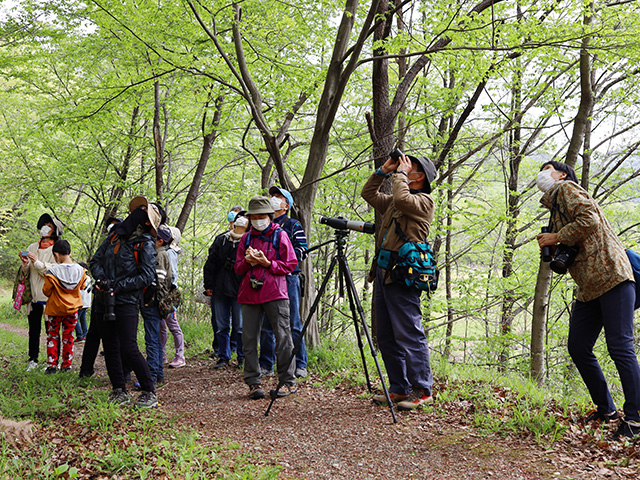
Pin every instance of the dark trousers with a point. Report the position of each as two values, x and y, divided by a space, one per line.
612 311
91 344
401 337
35 328
119 338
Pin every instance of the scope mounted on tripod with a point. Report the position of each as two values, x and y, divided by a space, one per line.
341 223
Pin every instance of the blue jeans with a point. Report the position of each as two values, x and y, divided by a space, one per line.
214 344
153 345
613 311
81 326
267 338
228 313
401 337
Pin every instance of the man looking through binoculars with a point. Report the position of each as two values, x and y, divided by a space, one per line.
407 212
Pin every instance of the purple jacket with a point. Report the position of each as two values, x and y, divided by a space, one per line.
275 281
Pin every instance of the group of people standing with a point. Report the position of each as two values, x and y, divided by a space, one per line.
134 268
252 275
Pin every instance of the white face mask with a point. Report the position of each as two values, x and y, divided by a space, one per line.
544 180
260 225
241 222
276 203
45 231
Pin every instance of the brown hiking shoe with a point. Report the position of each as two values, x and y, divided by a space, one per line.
256 392
381 399
417 398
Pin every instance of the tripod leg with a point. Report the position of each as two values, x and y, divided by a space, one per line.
351 288
355 316
312 311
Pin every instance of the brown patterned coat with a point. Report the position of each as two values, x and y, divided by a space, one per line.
601 263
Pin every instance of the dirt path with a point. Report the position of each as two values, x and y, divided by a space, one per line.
322 433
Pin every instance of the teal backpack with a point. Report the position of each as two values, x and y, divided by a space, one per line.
414 265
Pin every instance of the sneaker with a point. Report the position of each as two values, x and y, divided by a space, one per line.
417 398
146 400
80 340
221 363
32 365
65 370
256 392
51 370
626 430
602 417
241 363
266 373
285 391
119 397
381 399
177 363
301 372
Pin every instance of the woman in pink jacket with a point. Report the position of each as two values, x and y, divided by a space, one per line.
264 258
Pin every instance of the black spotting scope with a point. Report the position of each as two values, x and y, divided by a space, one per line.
341 223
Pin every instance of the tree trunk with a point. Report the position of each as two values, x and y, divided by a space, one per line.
158 140
448 263
207 143
513 210
539 321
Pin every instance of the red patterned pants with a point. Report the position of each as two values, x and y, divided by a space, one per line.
68 324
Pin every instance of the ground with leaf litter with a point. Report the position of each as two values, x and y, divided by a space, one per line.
321 433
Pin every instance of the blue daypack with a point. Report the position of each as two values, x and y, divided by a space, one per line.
634 259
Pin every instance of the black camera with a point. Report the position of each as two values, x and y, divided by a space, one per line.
563 258
110 306
256 283
228 264
396 154
341 223
545 252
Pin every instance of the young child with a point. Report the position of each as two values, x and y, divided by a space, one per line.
62 285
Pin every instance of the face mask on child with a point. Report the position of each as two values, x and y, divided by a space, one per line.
261 224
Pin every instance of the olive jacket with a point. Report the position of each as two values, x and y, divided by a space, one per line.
413 211
601 263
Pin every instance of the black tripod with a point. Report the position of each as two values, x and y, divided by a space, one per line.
357 313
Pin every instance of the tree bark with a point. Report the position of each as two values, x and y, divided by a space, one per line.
539 322
207 143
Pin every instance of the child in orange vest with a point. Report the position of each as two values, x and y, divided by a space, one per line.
62 285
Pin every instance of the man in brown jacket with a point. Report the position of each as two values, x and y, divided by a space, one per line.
400 334
62 285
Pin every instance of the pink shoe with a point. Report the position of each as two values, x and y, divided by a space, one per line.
177 363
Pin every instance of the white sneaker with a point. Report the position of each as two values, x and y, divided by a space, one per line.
32 365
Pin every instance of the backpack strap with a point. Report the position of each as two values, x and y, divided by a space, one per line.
274 240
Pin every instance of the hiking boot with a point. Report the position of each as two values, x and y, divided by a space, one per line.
221 363
32 364
417 398
602 417
266 373
301 372
146 400
241 363
177 363
285 391
119 397
626 430
381 399
256 392
51 370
